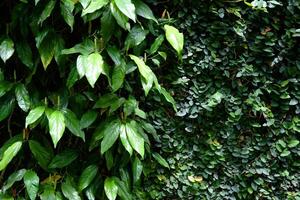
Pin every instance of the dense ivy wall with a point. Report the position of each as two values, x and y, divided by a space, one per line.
236 134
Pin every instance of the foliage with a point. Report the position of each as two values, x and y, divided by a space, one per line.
236 134
72 76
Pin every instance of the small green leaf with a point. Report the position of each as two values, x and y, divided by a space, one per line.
124 140
156 44
73 124
42 154
293 143
46 44
87 177
121 19
135 139
14 177
135 37
143 10
6 107
175 38
160 160
69 191
93 68
63 159
31 181
56 126
22 97
47 11
127 8
118 76
66 10
106 100
93 6
285 153
6 49
88 118
9 154
137 169
110 188
34 115
108 25
111 134
25 53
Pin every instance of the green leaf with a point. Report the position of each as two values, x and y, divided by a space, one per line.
34 115
5 86
293 143
72 78
85 48
9 142
111 134
167 96
110 188
14 177
106 100
157 43
46 45
87 177
143 10
148 77
85 3
9 154
6 107
107 25
66 10
88 118
93 6
285 153
47 11
6 49
22 97
98 134
73 124
80 65
69 191
48 193
63 159
118 77
93 68
124 140
137 169
127 8
115 55
42 154
123 190
135 37
121 19
135 139
160 160
25 53
109 159
31 181
56 126
175 38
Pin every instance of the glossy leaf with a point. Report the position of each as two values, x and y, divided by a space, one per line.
47 11
25 53
175 38
111 134
69 191
93 6
56 126
143 10
42 154
135 139
110 188
88 118
127 8
124 139
137 169
93 68
160 160
31 181
6 49
63 159
34 115
121 19
9 154
87 177
67 7
22 97
157 43
118 76
14 177
73 124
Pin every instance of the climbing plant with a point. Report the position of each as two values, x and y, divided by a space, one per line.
74 79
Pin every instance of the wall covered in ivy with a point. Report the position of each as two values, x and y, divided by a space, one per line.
236 132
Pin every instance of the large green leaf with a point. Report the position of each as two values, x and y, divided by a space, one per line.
63 159
93 68
143 10
127 8
42 154
88 118
25 53
6 107
124 139
111 134
156 44
160 160
175 38
6 49
73 124
67 7
110 188
121 19
108 24
31 181
47 11
34 115
93 6
87 177
80 64
46 45
22 97
106 100
137 169
69 190
56 126
135 139
118 76
14 177
9 154
135 37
